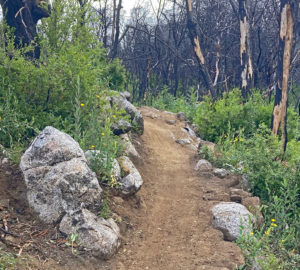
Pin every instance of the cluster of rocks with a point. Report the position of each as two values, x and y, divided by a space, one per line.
241 209
63 190
121 101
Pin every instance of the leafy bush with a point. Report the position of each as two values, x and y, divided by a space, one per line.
66 88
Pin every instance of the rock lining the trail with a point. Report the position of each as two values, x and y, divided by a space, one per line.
135 115
203 166
132 182
100 236
121 127
57 176
129 147
228 217
221 173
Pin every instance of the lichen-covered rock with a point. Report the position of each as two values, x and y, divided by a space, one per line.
121 127
57 176
221 173
100 236
203 166
50 147
228 217
129 147
126 95
133 181
93 155
134 113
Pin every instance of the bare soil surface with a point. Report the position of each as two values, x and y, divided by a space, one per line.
166 226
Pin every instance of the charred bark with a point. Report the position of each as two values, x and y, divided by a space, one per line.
193 33
22 16
245 51
279 116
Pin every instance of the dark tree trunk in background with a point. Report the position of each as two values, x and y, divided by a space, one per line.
279 116
193 33
245 50
23 17
117 31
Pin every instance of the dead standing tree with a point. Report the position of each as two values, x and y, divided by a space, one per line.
245 50
279 116
193 33
22 16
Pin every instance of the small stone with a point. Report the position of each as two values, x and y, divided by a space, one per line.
170 122
133 181
183 141
221 173
203 166
181 116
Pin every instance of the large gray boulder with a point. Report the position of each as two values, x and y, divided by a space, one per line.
229 217
133 181
122 103
57 176
100 236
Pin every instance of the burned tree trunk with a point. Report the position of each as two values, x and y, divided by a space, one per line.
245 51
23 15
192 27
117 31
279 116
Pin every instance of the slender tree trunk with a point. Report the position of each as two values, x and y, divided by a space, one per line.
23 15
245 51
192 27
117 31
279 116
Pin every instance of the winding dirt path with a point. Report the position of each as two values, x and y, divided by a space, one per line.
172 227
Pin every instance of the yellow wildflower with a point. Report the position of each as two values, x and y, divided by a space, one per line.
82 104
274 224
114 116
97 96
251 233
92 146
102 133
273 220
282 241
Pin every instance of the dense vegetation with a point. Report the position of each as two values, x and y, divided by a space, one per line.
66 88
246 146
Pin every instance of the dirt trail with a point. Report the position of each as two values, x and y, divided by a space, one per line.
172 230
